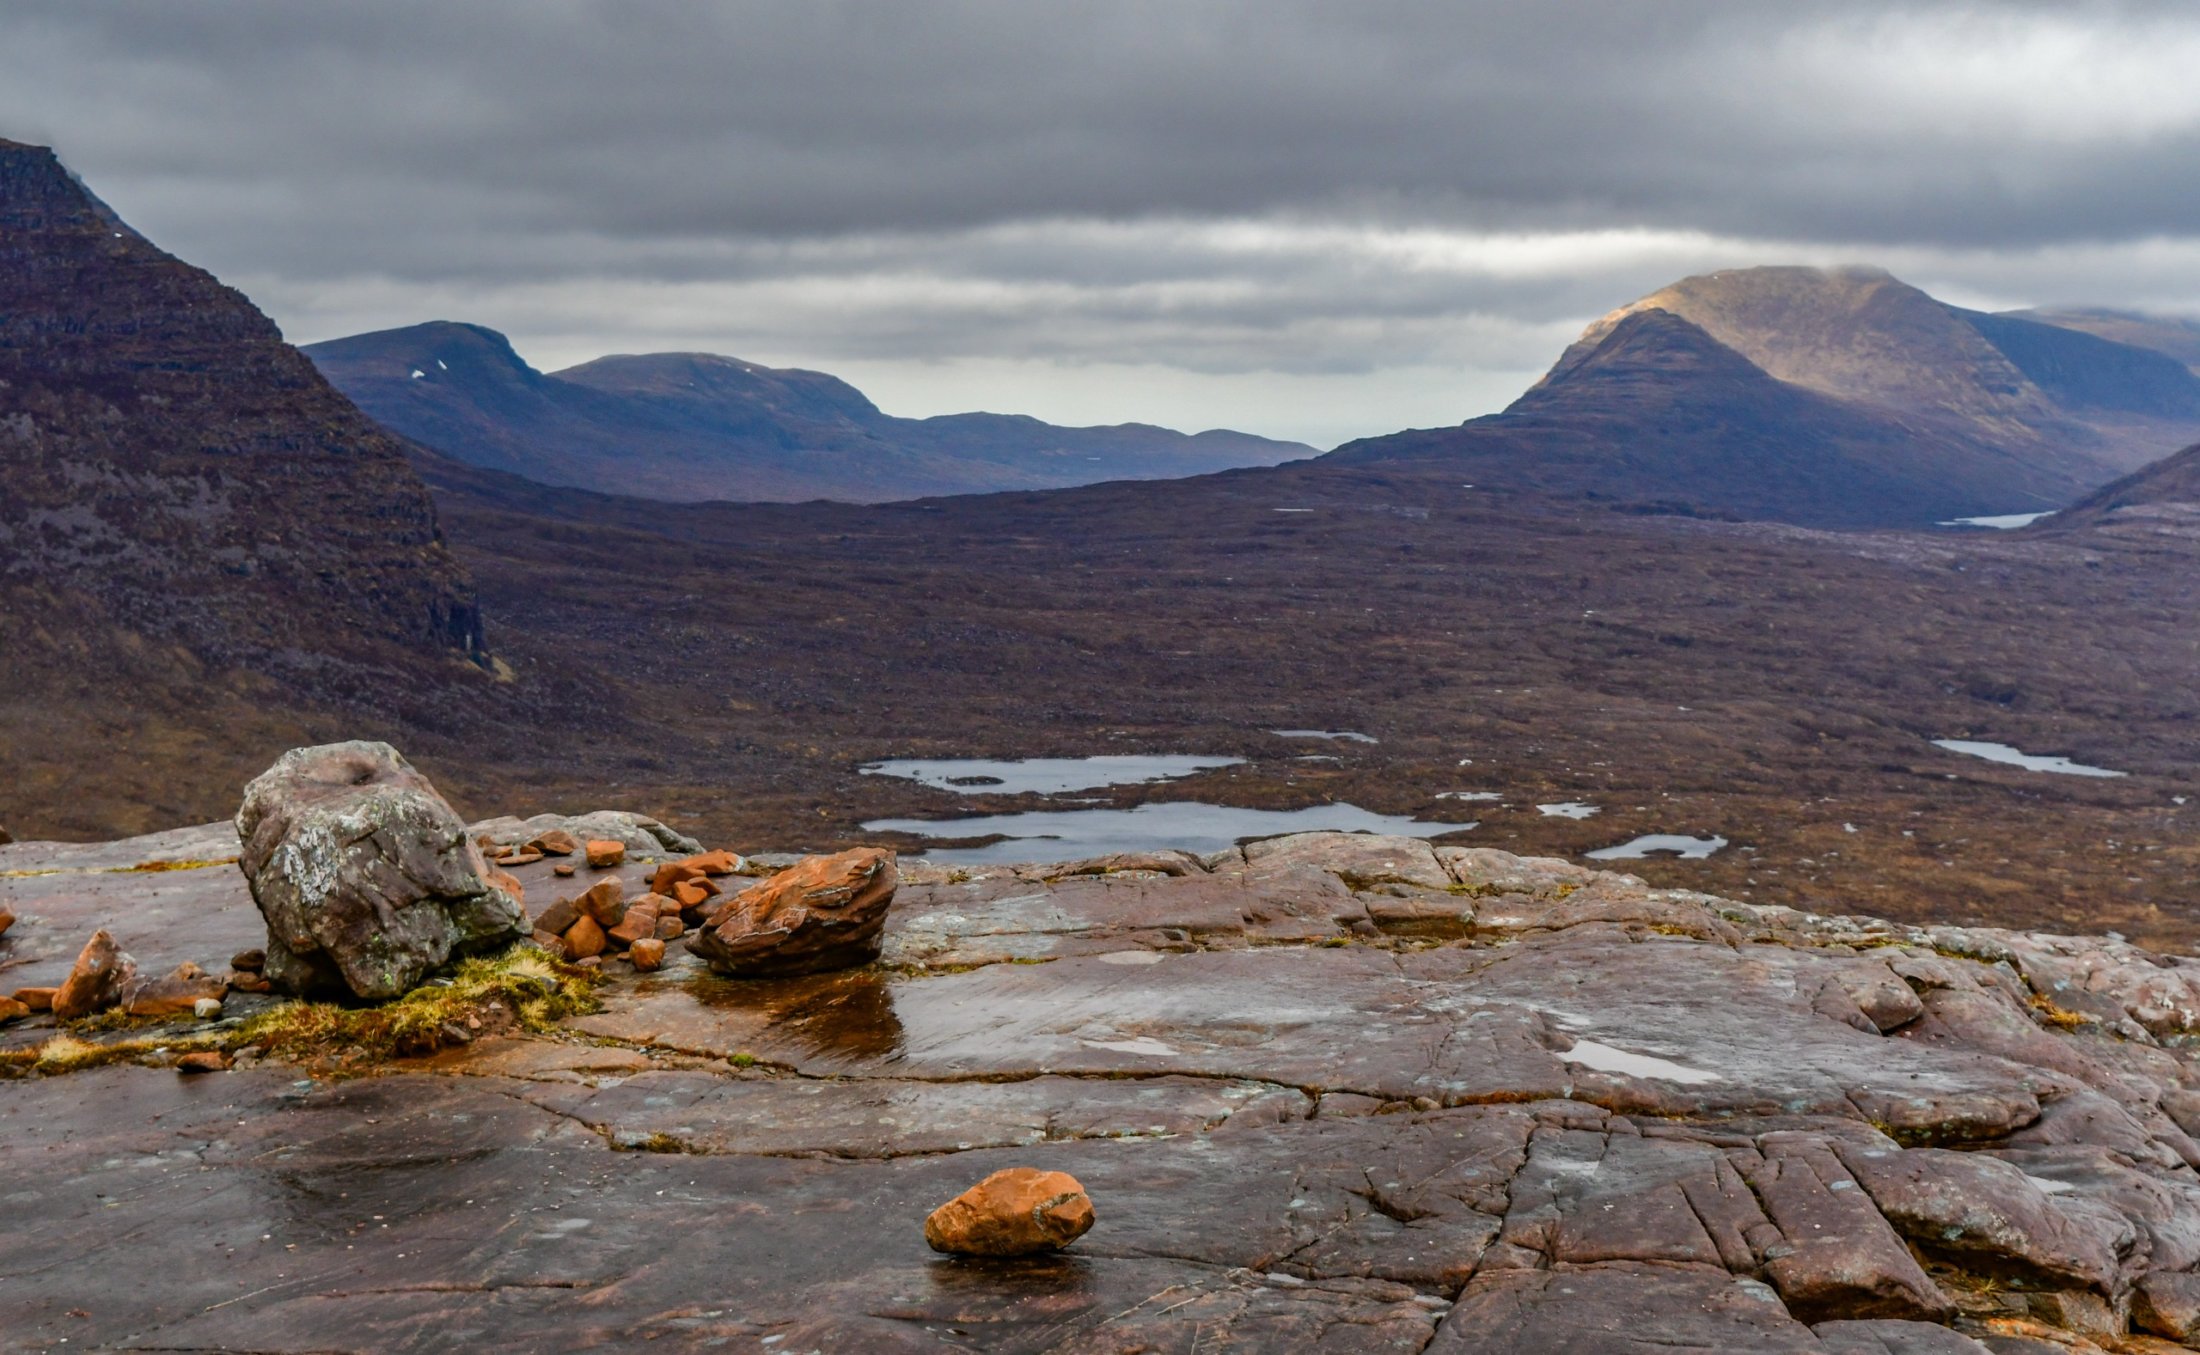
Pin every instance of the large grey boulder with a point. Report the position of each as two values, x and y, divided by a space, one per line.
366 876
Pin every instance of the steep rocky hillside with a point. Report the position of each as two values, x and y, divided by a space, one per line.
2178 338
687 426
1832 398
202 544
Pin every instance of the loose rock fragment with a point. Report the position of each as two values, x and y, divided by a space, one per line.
174 994
250 960
11 1010
605 901
204 1061
647 953
1014 1212
603 854
96 983
7 920
556 842
37 999
827 912
584 939
366 877
207 1008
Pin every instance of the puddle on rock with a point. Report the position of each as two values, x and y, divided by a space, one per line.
2003 753
1186 825
1686 848
1567 809
1606 1059
1043 775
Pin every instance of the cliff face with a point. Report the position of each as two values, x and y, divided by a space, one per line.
173 467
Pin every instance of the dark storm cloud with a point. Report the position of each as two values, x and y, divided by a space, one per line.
1221 187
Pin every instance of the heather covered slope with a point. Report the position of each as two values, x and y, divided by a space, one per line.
1823 397
172 463
204 548
687 426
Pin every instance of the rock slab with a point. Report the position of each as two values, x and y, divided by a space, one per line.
367 878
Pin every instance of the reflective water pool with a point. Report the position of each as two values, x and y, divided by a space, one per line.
1044 775
1068 834
1650 844
2003 753
1345 735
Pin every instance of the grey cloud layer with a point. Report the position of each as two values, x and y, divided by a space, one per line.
1222 187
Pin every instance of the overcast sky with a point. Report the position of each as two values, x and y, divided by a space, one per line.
1312 220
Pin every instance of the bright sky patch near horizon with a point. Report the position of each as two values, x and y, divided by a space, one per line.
1303 219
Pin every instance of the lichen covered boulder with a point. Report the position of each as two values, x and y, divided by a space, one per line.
367 878
827 912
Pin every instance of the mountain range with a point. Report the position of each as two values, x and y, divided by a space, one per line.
687 426
1828 397
209 556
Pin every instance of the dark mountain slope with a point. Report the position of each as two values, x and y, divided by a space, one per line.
688 426
1658 412
206 553
2169 335
169 457
1834 398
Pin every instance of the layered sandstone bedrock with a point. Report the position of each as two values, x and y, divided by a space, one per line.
367 878
1348 1094
827 912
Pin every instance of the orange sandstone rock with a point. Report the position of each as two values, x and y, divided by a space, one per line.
102 971
1013 1212
604 854
647 953
825 912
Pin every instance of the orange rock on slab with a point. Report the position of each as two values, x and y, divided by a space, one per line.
605 901
647 953
102 971
824 912
175 994
1013 1212
204 1061
11 1010
640 921
7 919
37 999
584 939
556 842
603 854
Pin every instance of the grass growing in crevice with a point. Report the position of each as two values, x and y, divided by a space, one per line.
523 988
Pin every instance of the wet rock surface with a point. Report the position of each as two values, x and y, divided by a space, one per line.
366 877
1337 1094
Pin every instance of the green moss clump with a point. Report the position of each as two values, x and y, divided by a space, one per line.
523 988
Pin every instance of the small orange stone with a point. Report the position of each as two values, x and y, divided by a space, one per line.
603 855
647 953
584 938
1013 1212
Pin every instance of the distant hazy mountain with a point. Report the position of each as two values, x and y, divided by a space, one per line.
1828 397
690 426
2178 338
